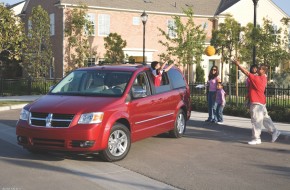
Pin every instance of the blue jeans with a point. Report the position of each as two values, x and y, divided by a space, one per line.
219 112
211 105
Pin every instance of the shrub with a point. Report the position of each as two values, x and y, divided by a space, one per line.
278 114
199 74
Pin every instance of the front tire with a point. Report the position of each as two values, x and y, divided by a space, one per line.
119 143
179 125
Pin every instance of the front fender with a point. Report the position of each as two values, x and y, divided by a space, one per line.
109 123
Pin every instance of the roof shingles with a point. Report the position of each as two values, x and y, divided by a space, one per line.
200 7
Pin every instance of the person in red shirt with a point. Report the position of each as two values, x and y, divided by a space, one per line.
157 70
253 70
258 110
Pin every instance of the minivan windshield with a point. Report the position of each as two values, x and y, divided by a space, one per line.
93 83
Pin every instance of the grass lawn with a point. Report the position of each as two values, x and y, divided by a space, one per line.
10 103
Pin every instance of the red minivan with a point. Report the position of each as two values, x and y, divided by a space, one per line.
104 109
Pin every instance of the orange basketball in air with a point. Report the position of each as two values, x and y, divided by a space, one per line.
209 50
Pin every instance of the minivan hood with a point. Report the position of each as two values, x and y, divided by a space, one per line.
71 104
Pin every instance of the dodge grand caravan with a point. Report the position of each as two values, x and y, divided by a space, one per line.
104 109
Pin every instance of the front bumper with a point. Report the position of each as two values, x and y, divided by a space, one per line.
78 138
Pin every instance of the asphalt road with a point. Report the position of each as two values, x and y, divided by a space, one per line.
209 156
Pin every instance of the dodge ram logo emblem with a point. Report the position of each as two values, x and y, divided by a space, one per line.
48 120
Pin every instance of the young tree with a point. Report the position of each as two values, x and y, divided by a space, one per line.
11 39
38 53
271 42
114 45
226 39
187 45
78 29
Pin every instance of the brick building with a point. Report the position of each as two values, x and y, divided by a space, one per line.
123 17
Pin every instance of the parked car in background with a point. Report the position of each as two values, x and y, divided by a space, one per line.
104 109
200 86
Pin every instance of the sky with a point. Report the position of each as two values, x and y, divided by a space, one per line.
283 4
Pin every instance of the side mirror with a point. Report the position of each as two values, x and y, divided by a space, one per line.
138 92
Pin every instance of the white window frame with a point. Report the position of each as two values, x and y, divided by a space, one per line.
136 21
91 17
91 61
171 26
52 24
103 24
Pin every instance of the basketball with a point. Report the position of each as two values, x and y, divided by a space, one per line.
209 50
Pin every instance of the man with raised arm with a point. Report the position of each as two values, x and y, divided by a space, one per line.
258 110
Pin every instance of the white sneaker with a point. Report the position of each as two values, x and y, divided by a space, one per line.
220 123
275 135
255 141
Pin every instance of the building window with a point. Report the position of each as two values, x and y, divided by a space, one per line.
205 25
91 18
275 29
52 24
51 72
171 29
136 20
103 24
289 37
29 27
91 62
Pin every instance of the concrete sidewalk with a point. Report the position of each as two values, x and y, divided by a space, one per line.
19 99
240 122
233 121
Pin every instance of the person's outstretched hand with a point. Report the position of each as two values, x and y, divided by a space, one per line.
235 61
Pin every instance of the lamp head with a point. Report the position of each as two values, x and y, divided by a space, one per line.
144 17
255 2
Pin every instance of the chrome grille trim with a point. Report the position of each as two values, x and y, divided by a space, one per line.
50 120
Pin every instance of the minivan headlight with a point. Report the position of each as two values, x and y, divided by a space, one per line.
24 115
90 118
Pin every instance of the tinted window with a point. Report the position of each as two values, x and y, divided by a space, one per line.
176 78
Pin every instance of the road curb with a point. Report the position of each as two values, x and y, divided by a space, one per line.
12 107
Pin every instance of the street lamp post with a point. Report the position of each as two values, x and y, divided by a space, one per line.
255 25
144 18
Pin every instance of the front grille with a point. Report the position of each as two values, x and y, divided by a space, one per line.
60 123
37 122
47 142
50 119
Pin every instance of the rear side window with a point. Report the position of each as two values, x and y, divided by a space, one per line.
176 79
165 86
